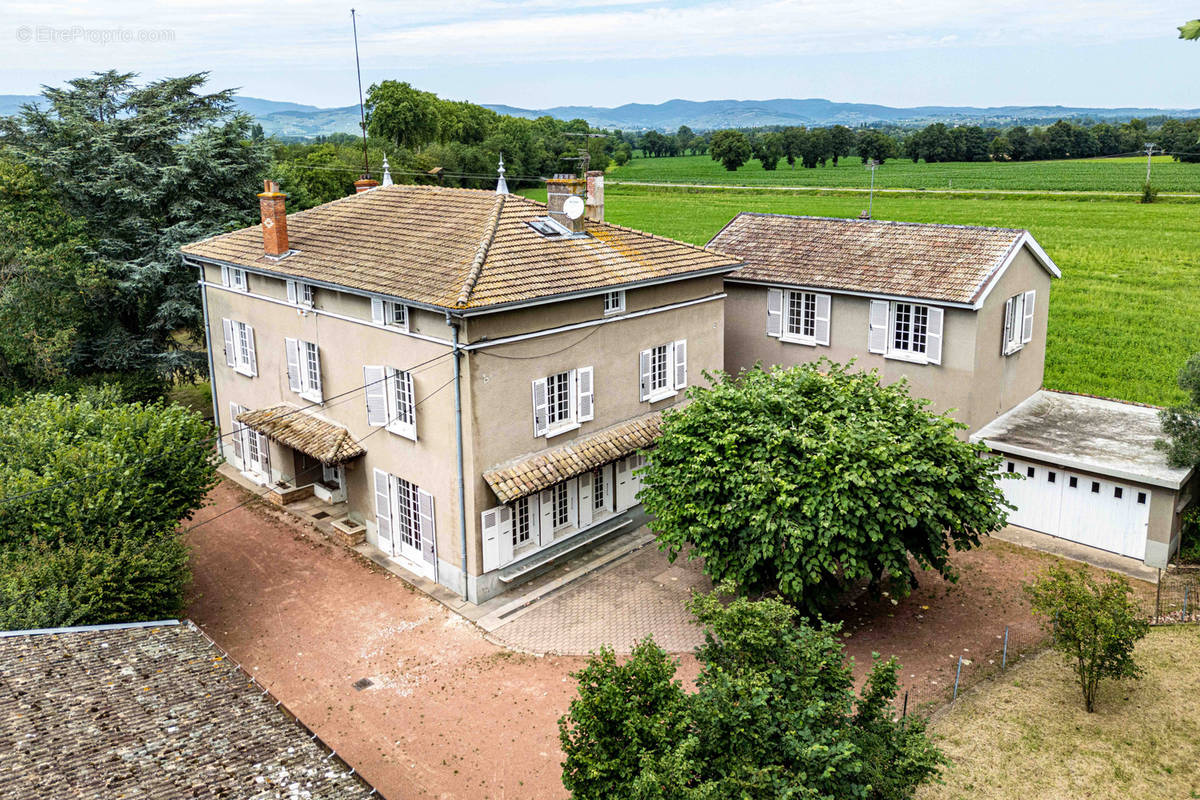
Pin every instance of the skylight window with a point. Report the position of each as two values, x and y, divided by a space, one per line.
550 228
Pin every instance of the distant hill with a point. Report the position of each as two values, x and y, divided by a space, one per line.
296 120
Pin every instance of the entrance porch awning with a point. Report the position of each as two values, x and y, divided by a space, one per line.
321 439
532 473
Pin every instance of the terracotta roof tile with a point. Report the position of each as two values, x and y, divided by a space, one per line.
529 474
951 263
456 248
325 441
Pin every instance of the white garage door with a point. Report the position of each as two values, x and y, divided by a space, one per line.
1099 513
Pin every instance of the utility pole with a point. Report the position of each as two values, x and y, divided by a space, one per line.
362 114
871 165
1149 152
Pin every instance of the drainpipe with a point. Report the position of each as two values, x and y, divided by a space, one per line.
212 378
458 435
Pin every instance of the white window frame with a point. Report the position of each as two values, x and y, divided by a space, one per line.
614 302
780 318
234 278
239 347
550 419
304 369
384 312
1018 322
401 403
300 294
934 330
668 377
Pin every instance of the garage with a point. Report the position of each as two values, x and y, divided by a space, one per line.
1086 469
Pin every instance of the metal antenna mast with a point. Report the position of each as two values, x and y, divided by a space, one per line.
871 165
585 155
362 114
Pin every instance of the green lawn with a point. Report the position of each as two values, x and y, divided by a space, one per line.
1097 175
1123 319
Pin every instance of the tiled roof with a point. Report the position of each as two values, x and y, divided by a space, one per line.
952 263
149 712
538 471
456 248
325 441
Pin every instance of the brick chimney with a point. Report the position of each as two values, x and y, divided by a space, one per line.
558 189
595 195
364 184
274 220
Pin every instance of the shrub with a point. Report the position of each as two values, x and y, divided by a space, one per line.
1149 193
774 715
807 479
1095 625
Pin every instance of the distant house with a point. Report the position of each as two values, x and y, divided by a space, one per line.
960 313
466 376
150 710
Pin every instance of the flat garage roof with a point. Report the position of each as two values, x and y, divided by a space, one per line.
1107 437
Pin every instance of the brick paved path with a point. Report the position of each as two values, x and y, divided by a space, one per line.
640 595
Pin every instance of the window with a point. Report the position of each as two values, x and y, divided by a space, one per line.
407 513
234 278
304 369
1018 322
1073 482
614 302
239 347
907 331
402 411
390 313
599 492
663 370
797 316
1095 487
1141 498
1012 467
1051 477
1029 472
561 402
300 294
1118 492
521 533
561 513
391 400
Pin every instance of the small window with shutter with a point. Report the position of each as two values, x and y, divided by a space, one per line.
1018 322
663 370
907 331
562 401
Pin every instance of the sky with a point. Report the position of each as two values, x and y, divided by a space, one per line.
542 53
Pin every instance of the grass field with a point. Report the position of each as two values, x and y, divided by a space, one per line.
1123 319
1027 735
1092 175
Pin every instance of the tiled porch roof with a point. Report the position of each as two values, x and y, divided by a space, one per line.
528 474
323 440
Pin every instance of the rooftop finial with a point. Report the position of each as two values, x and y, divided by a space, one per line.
387 176
501 184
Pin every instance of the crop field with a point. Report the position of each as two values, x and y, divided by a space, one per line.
1123 319
1084 175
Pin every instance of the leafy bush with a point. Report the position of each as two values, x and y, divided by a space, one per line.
804 480
47 587
774 715
1095 625
1181 423
1189 550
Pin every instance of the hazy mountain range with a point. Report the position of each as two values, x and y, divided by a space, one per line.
303 121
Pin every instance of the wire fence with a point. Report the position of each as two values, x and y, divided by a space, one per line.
1177 597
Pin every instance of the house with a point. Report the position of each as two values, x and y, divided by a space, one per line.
958 311
466 377
150 710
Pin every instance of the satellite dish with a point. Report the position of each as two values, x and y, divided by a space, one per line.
573 207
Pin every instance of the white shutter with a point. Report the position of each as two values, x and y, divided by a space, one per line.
236 430
314 380
264 455
292 293
250 345
497 537
1008 326
585 499
644 370
933 336
546 528
1027 323
291 348
681 363
376 392
383 510
539 407
573 501
408 428
774 312
586 406
821 323
230 343
425 521
225 276
877 338
377 311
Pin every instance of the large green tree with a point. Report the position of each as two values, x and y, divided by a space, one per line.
145 169
730 148
1181 423
409 117
774 715
808 479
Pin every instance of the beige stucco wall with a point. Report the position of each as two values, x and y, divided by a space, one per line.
974 381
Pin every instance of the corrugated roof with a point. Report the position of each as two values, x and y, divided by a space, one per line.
149 712
952 263
528 474
456 248
325 441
